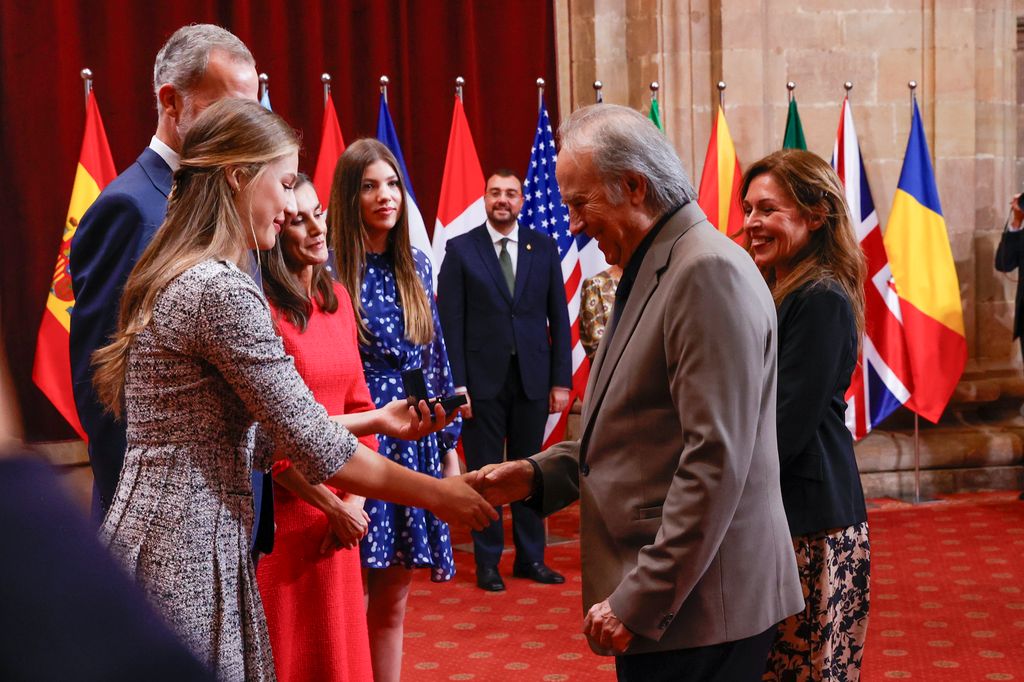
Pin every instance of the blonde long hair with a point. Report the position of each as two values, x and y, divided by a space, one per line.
202 221
833 253
348 236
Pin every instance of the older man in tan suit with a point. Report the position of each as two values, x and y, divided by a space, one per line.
687 560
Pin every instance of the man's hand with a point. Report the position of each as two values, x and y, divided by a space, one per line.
506 482
398 419
1017 215
558 399
605 628
347 525
466 410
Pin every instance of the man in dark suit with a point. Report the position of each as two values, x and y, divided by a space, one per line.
198 65
687 560
1009 257
506 325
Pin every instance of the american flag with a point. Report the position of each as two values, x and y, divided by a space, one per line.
881 381
543 211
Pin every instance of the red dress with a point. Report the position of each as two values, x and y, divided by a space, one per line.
314 603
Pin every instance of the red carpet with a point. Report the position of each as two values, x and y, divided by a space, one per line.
946 604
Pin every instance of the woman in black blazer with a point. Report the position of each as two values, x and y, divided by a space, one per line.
799 233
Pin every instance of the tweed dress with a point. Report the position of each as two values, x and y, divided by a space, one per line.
201 375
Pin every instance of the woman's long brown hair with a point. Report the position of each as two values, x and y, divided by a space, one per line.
348 235
833 252
202 221
283 289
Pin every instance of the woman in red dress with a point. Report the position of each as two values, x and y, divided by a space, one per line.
311 584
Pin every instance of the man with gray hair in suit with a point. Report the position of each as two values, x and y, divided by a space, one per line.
687 559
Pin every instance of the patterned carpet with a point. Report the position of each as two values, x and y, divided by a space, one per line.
946 604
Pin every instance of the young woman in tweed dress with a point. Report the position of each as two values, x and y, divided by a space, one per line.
207 392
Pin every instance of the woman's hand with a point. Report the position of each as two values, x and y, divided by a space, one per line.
459 503
347 525
450 464
398 419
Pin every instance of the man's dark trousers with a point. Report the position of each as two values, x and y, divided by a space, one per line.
509 412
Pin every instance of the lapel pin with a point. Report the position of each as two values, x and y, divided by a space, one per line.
529 247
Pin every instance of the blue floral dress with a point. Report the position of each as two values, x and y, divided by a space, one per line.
398 535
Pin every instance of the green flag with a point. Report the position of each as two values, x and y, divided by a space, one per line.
794 138
655 115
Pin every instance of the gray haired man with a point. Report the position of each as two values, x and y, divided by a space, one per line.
198 65
687 561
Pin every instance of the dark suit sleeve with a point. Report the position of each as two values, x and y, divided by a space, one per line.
105 248
816 330
1008 253
558 321
451 306
559 471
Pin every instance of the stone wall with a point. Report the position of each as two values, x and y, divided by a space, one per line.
964 58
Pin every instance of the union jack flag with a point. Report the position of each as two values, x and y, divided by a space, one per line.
881 381
543 211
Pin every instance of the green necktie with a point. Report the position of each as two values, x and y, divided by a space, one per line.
505 260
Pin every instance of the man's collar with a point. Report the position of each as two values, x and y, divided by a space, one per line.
496 236
170 157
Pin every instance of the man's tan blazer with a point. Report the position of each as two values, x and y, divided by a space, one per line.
682 523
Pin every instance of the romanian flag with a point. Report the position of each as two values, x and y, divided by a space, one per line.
52 367
926 282
461 206
719 194
332 145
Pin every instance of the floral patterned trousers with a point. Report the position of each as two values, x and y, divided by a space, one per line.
825 641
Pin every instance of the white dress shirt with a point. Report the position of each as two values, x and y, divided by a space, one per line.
170 157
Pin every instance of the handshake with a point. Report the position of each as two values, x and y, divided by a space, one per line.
470 499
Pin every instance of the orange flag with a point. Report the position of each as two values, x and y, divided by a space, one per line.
332 145
719 194
52 367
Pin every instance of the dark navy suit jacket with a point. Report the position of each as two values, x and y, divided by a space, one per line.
1008 258
483 322
113 233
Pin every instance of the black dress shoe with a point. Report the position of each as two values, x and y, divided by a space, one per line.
537 572
489 579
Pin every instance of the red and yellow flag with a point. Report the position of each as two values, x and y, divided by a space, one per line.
332 146
52 368
926 282
719 194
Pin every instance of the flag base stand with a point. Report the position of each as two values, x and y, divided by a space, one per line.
916 497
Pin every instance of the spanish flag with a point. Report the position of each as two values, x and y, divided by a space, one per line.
925 278
719 194
52 368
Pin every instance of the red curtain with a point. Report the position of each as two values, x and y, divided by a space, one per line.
500 48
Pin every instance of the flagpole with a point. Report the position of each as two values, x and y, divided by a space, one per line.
791 86
86 74
325 78
264 78
654 91
721 95
848 85
384 80
598 93
912 85
460 83
540 93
